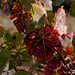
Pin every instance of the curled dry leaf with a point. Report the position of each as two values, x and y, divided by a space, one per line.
21 16
60 21
42 42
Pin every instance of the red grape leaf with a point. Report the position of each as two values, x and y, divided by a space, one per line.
22 17
51 67
60 21
55 67
42 42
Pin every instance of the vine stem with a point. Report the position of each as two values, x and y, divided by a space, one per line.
64 61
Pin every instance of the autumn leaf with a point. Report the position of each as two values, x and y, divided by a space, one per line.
60 21
21 16
69 49
54 67
42 42
51 67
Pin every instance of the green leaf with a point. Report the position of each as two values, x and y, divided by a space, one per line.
3 59
31 27
16 38
22 73
50 16
27 3
11 65
14 56
6 35
25 56
42 21
13 41
57 2
72 9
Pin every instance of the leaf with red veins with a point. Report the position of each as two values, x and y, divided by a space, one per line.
42 42
60 21
21 16
55 67
51 67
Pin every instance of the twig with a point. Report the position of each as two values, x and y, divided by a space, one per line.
33 58
63 61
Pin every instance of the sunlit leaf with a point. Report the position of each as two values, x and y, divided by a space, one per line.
47 4
57 2
42 42
42 21
60 21
39 11
21 16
